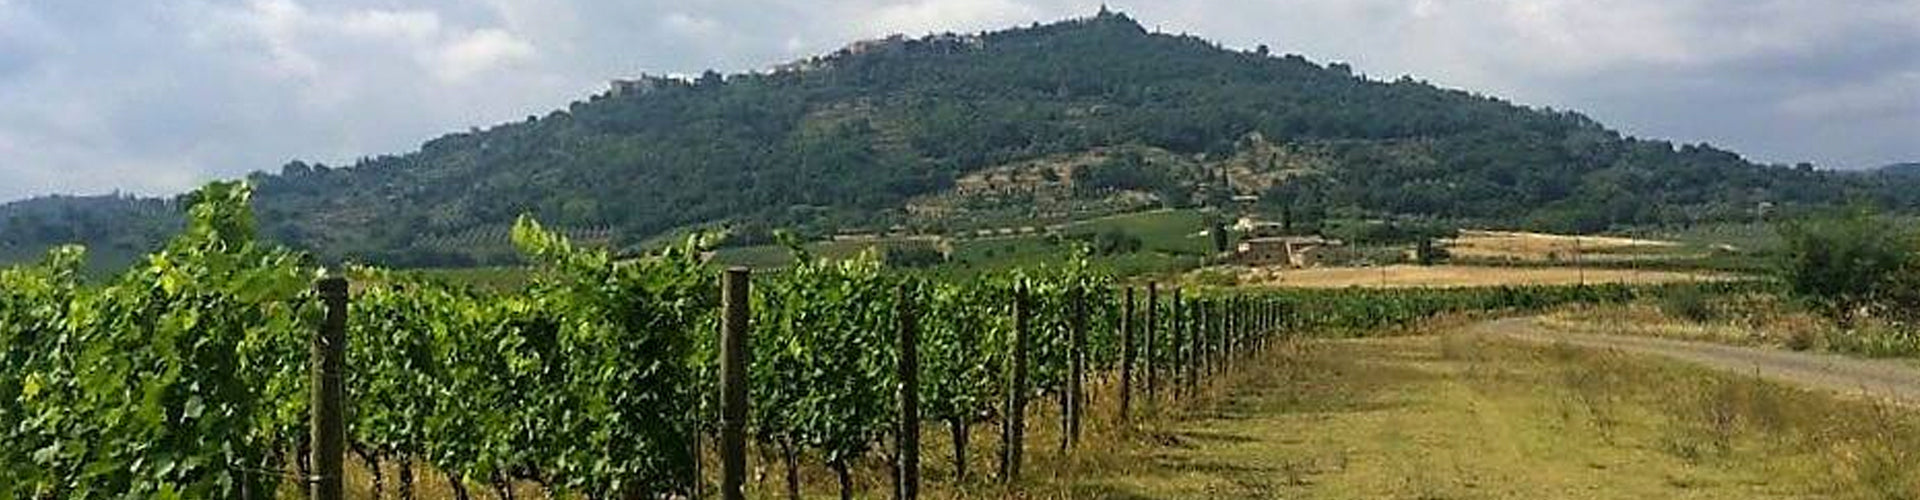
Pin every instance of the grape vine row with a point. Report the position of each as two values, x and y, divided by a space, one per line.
186 376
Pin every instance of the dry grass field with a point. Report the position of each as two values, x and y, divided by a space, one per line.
1467 416
1403 276
1541 247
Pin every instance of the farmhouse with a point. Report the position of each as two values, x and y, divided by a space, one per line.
1292 251
1258 228
639 86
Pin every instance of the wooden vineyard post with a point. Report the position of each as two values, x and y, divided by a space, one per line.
1077 358
1013 438
1235 324
329 427
1260 342
1174 343
1273 325
1220 331
1240 326
1126 355
1282 319
1151 324
1258 326
1202 336
1253 327
1193 349
733 385
1230 312
908 436
1231 327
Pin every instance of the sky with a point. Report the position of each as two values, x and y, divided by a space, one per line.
158 96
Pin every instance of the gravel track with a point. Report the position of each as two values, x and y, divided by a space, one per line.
1894 380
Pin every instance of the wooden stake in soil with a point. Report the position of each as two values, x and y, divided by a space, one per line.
329 426
1153 375
733 385
1077 357
1174 341
1192 335
1227 331
908 436
1126 356
1202 337
1014 437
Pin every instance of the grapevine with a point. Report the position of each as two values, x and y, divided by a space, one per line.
186 375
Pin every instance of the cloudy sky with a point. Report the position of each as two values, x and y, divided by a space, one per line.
155 96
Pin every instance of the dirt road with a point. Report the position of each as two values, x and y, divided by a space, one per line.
1891 379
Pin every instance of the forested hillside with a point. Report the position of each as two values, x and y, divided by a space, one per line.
848 141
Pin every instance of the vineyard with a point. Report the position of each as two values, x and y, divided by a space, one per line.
189 375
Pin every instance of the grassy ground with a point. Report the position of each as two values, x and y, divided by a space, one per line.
1169 231
1461 417
1746 236
1759 319
1769 325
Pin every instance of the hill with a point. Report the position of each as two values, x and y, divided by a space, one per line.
1908 168
115 228
950 132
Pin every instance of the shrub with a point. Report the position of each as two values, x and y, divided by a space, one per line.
1848 264
1876 338
913 256
1688 303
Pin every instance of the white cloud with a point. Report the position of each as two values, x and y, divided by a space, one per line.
479 51
278 24
1585 36
303 42
687 25
926 16
418 25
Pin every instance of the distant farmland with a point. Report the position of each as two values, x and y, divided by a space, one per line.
1404 276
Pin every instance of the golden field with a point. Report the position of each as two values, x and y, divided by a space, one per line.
1542 247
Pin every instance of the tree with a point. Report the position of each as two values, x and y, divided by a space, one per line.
1221 240
1428 253
1111 242
1848 264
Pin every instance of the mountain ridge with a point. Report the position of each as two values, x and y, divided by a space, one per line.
848 140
